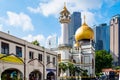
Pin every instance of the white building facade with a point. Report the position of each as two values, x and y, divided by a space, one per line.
22 60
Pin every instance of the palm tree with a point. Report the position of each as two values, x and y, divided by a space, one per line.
71 68
63 67
84 74
78 70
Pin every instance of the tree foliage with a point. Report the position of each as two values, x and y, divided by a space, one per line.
63 66
35 43
71 67
103 59
116 67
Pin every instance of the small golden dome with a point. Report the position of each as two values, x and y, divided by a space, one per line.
84 32
64 10
77 44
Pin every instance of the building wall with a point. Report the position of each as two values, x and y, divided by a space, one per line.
115 39
43 66
85 58
102 37
74 24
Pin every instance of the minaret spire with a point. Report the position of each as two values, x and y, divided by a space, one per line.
64 15
84 19
64 4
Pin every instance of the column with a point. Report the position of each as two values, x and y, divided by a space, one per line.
44 65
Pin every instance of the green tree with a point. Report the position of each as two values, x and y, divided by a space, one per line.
78 70
71 68
84 73
63 67
116 67
35 43
103 59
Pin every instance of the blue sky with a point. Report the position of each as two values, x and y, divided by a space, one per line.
38 19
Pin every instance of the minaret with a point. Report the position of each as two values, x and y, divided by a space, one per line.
63 45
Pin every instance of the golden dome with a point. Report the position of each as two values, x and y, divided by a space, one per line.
77 44
84 32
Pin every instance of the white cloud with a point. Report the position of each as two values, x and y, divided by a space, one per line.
49 8
1 27
53 7
90 18
20 20
2 23
40 38
51 41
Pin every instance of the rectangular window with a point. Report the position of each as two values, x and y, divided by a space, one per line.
48 59
18 51
4 48
59 57
53 60
40 57
31 55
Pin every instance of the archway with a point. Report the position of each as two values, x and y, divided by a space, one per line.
35 75
50 76
12 74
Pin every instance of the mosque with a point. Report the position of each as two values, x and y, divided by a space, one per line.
82 54
22 60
